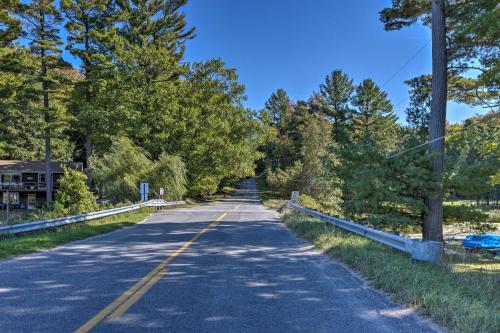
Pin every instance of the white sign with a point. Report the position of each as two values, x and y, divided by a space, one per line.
144 191
295 196
162 191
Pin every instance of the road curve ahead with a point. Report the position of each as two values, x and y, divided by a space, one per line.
227 267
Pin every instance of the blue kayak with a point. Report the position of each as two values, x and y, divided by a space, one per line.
486 242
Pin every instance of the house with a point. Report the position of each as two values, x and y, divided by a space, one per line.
24 182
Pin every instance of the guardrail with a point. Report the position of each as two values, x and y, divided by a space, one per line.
45 224
419 250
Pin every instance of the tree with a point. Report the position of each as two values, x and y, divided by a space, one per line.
472 158
118 172
433 220
86 21
279 108
417 113
41 20
285 118
373 117
317 178
407 12
147 46
335 96
213 132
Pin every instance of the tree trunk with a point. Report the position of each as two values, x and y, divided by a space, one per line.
433 221
48 148
88 154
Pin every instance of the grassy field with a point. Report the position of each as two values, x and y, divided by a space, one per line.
43 240
462 293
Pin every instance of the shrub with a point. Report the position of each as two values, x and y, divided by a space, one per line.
204 187
74 196
285 181
460 214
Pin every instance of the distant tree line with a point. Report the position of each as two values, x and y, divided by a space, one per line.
345 151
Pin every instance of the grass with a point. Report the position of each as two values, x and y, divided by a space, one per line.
43 240
461 293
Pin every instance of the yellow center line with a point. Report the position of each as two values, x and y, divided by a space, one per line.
132 295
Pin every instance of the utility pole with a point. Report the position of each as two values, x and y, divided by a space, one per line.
433 221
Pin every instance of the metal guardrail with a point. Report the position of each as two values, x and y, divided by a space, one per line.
45 224
419 250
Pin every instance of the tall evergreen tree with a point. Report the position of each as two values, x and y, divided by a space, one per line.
148 48
41 22
86 21
373 117
335 96
417 113
364 170
279 107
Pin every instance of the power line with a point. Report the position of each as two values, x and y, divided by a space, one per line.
437 139
405 64
416 147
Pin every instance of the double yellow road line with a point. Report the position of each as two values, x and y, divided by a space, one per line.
119 306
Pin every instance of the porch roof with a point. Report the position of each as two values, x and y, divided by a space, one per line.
35 166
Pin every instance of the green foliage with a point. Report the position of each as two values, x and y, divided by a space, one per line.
169 173
10 26
417 113
373 116
119 172
204 187
474 156
73 195
285 181
460 214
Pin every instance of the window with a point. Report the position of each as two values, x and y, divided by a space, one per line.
41 180
14 198
10 178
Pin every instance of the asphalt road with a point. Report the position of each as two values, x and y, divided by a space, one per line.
245 272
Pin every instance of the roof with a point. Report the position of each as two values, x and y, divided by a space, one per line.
35 166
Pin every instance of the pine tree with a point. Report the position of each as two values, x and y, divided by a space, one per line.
41 21
417 113
86 21
147 50
365 172
373 117
280 108
335 96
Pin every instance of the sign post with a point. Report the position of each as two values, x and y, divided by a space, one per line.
144 187
295 196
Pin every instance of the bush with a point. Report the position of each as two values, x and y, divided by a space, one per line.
74 196
461 214
285 181
204 187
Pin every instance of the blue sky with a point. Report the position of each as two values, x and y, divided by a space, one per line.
293 44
